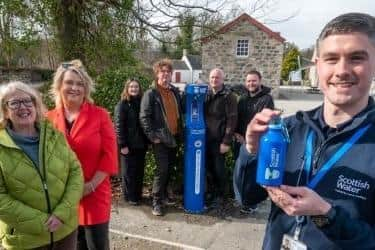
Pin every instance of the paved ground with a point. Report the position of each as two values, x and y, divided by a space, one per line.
226 228
135 227
294 99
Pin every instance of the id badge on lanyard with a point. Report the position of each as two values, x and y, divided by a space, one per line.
293 243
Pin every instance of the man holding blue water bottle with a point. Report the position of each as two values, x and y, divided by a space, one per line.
327 200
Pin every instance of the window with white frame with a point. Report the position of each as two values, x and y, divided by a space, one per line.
242 47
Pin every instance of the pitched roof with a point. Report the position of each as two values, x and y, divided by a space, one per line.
179 64
250 20
195 61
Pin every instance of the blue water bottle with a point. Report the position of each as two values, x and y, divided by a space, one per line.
272 153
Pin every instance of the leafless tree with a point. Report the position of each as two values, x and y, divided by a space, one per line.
158 16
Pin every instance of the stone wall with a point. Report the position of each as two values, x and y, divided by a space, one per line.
265 55
7 75
24 75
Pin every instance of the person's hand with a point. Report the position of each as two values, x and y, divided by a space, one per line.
298 200
53 223
88 188
239 138
156 141
224 148
124 150
257 126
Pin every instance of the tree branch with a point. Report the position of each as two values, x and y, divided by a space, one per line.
191 6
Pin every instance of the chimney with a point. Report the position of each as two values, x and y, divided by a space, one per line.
184 52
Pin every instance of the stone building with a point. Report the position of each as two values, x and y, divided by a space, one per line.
241 45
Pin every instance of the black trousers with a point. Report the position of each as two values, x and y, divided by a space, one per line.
93 237
216 172
165 158
134 168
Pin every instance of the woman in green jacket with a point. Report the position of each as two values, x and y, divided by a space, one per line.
41 181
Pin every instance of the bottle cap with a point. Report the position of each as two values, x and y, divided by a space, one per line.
277 123
275 120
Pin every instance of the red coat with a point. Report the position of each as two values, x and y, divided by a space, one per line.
92 138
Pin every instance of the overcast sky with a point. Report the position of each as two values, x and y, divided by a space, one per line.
312 15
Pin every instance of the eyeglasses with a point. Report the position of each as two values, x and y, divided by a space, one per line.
16 104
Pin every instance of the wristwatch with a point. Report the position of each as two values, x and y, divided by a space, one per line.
325 219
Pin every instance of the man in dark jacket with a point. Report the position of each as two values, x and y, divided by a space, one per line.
328 197
160 117
255 100
221 121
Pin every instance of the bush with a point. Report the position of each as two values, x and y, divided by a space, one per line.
108 89
46 97
45 74
110 84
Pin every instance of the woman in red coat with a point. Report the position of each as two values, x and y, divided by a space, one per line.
90 133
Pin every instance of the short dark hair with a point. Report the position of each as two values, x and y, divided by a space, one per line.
349 23
254 72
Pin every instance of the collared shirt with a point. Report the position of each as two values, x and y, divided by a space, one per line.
328 131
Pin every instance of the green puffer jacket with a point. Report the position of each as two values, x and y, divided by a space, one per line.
23 199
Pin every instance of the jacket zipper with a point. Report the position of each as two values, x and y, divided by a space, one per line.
42 160
44 183
317 154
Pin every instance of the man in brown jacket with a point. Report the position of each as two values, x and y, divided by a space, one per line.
221 121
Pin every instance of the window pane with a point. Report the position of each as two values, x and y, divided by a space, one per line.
242 47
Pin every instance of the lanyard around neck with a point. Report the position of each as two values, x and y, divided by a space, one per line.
328 165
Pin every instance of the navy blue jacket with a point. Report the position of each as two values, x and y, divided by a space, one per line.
349 185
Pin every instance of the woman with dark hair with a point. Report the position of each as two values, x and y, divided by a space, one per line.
132 141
